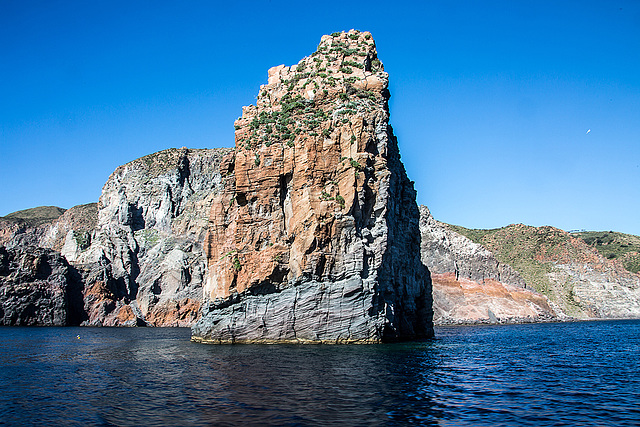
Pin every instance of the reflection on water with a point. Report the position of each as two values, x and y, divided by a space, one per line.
553 374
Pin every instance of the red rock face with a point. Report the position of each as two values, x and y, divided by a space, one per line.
464 301
300 162
317 191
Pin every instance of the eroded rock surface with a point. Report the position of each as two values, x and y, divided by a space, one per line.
470 285
316 238
37 287
577 280
69 232
146 264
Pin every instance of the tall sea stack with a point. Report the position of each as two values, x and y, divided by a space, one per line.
316 236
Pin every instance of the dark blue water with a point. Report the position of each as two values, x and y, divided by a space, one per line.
547 374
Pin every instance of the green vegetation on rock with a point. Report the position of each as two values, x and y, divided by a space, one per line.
532 252
542 256
613 245
35 216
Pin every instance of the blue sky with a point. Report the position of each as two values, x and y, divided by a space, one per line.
491 101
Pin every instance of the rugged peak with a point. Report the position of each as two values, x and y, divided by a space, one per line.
320 211
316 99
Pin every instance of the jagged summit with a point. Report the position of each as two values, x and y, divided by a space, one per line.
317 234
315 99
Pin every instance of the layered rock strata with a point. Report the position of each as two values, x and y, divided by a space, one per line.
577 280
470 285
316 237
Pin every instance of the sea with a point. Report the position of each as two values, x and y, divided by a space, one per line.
553 374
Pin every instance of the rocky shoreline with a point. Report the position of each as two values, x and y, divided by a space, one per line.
307 231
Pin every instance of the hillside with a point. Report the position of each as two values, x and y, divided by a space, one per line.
612 245
471 286
35 216
570 272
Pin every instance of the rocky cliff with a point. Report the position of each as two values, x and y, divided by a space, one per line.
67 231
315 238
624 248
38 287
577 280
307 231
470 285
146 263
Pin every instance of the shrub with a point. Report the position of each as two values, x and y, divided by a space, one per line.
355 164
352 64
236 264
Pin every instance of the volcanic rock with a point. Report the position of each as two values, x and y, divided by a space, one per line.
37 287
315 237
576 279
146 264
470 285
67 231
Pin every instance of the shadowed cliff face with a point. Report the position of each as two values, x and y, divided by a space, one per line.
315 237
38 287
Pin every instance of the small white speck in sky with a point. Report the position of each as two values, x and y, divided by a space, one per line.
589 131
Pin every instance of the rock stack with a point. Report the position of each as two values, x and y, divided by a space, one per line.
316 237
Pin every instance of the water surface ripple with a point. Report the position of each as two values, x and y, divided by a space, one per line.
546 374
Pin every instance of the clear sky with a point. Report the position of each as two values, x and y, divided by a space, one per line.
505 111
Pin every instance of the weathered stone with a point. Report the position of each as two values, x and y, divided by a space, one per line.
470 285
146 263
315 237
69 232
36 288
577 281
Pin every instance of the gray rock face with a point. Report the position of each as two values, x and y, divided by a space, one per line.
309 311
470 286
69 233
607 292
146 262
37 287
444 251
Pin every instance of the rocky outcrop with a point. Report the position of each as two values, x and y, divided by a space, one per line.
38 287
146 264
315 238
67 231
577 280
470 285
